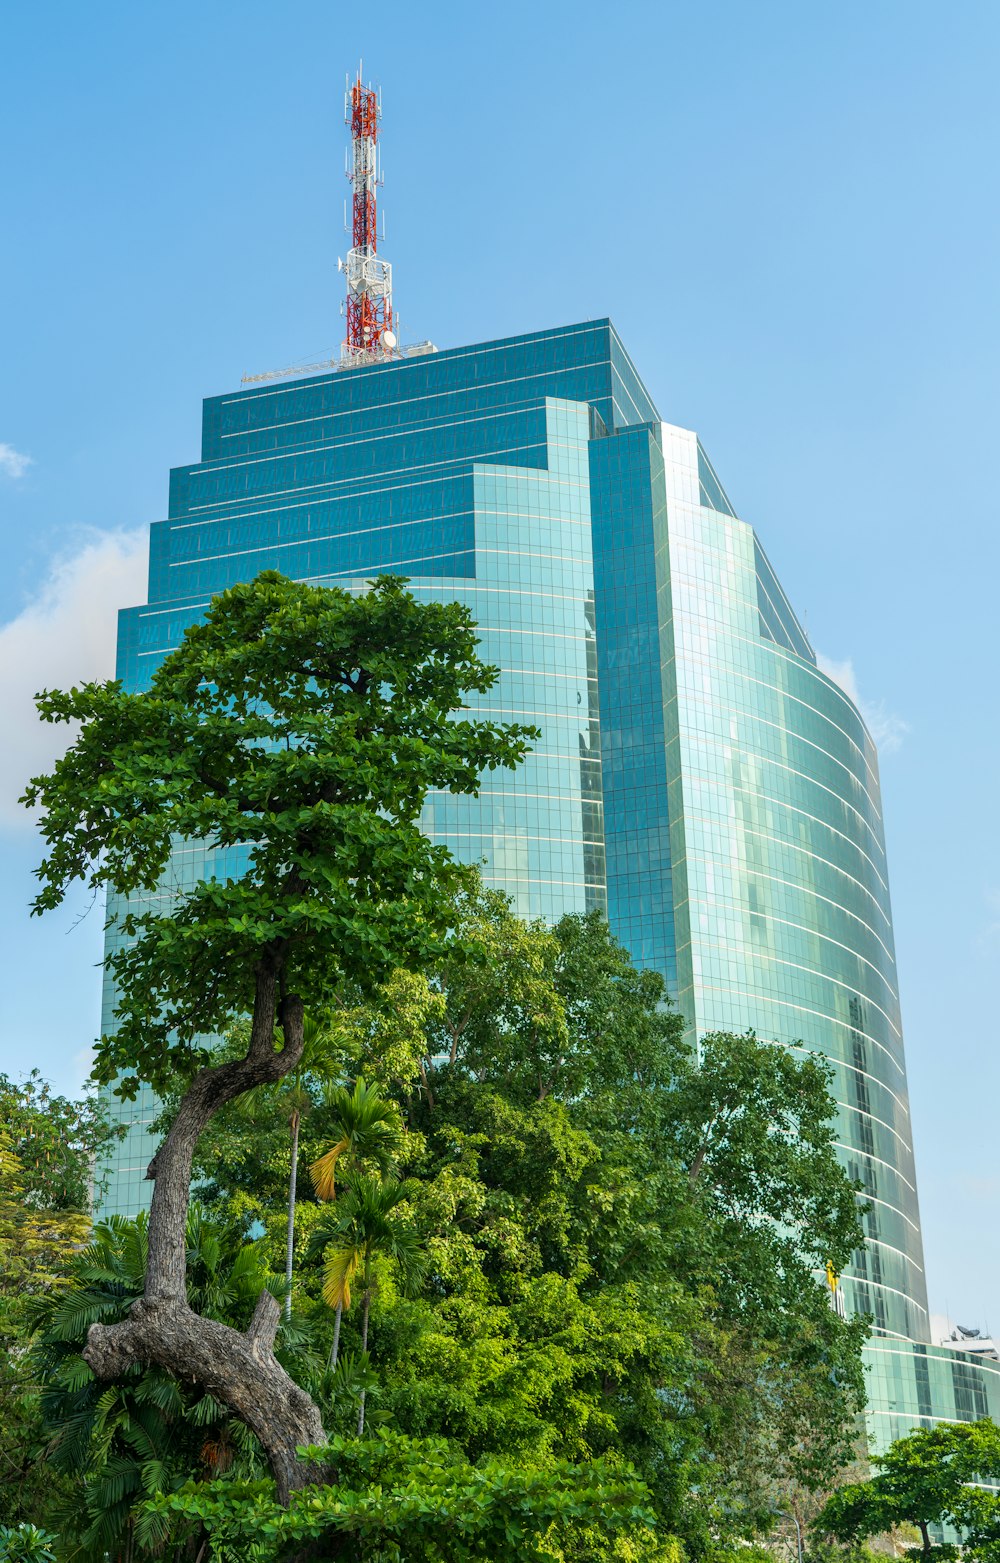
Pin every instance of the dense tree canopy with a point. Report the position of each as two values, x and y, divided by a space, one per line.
598 1281
51 1151
582 1291
61 1143
929 1479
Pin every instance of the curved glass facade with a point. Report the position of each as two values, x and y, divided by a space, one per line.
911 1384
781 893
698 776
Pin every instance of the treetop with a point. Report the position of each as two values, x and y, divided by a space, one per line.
288 743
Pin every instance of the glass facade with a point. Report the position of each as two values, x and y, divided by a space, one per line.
780 888
698 776
911 1384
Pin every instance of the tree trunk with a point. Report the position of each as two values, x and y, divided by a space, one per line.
290 1242
364 1347
694 1172
238 1368
335 1348
926 1535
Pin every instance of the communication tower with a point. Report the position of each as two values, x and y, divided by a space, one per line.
371 327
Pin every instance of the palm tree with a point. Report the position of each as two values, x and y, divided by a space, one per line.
367 1226
297 1101
367 1128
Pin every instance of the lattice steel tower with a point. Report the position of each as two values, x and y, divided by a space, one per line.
371 330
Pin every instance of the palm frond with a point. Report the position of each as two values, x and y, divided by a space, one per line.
339 1270
162 1392
205 1411
323 1170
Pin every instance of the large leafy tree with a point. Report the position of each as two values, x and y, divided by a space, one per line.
295 733
932 1477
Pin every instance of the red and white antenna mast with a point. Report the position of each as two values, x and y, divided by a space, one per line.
371 327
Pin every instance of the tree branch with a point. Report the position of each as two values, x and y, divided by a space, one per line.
239 1370
263 1327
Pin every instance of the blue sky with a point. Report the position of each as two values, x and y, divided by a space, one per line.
790 212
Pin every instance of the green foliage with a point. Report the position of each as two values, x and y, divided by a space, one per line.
418 1500
298 729
926 1479
596 1284
48 1146
366 1224
26 1543
35 1242
596 1281
366 1127
366 1233
61 1144
597 1253
625 1245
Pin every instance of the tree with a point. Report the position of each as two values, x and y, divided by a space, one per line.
299 730
36 1247
366 1127
598 1278
367 1226
296 1101
501 1011
927 1479
753 1125
61 1143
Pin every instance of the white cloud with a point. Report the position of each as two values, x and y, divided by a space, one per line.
887 729
13 464
64 635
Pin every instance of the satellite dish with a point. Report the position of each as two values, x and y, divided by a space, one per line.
388 338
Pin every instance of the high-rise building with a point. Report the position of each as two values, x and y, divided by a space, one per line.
698 776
